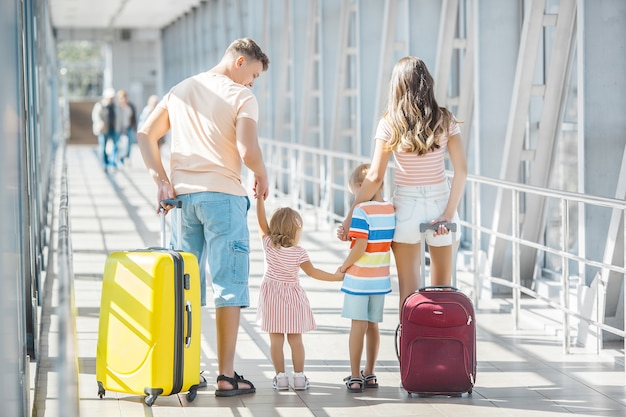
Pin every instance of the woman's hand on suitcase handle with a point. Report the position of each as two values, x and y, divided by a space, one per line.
441 226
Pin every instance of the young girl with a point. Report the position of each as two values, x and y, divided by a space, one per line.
283 305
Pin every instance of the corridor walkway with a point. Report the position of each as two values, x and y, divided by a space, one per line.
520 373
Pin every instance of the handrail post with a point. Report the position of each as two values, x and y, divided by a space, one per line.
565 279
476 242
515 257
624 281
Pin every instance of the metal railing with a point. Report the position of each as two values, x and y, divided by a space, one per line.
67 364
317 179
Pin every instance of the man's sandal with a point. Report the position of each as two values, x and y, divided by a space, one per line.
369 381
349 380
235 383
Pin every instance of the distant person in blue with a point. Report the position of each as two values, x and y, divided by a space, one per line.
129 124
151 104
107 125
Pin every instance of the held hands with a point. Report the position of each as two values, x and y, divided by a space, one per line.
339 274
342 233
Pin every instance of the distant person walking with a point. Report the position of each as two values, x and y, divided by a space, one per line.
129 123
107 125
284 308
212 119
151 104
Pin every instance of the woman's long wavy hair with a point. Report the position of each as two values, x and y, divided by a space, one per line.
284 226
416 120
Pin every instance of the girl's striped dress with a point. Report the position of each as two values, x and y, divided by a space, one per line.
283 305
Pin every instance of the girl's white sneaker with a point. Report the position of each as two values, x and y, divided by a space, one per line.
300 381
281 381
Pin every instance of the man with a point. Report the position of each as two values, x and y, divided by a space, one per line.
129 124
212 117
107 125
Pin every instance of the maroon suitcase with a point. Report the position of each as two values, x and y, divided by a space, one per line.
437 335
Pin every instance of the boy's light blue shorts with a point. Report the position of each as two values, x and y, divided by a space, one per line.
363 307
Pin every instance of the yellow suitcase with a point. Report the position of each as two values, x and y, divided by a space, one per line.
149 328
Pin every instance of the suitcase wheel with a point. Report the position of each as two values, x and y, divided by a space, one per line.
149 400
101 390
191 395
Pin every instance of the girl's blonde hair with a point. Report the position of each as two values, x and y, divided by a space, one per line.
416 120
284 226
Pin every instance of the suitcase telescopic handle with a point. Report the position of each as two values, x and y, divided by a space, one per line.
176 203
423 228
427 226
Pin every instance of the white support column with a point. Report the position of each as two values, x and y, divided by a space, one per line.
456 36
527 148
345 122
284 129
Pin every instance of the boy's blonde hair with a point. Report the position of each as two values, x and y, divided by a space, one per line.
284 226
358 175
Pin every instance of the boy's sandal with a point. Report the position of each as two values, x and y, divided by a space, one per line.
349 380
369 381
235 383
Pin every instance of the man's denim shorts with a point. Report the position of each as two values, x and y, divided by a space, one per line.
215 225
421 204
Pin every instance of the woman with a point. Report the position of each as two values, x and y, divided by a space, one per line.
417 132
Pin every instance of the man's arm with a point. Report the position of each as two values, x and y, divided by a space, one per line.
250 152
148 137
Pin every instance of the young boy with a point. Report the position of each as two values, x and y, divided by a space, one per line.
366 280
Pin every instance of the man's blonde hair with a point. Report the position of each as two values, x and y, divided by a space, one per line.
249 48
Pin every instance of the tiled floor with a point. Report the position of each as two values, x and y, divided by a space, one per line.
520 373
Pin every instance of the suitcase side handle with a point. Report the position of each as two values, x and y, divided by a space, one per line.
189 327
439 288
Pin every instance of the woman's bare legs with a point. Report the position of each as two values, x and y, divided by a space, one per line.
441 265
407 257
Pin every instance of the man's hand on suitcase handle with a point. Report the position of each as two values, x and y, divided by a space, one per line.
170 203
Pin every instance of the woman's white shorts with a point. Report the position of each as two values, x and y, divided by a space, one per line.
421 204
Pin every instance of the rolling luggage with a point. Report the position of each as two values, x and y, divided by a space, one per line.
149 328
437 335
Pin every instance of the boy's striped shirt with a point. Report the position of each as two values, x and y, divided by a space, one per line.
374 221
